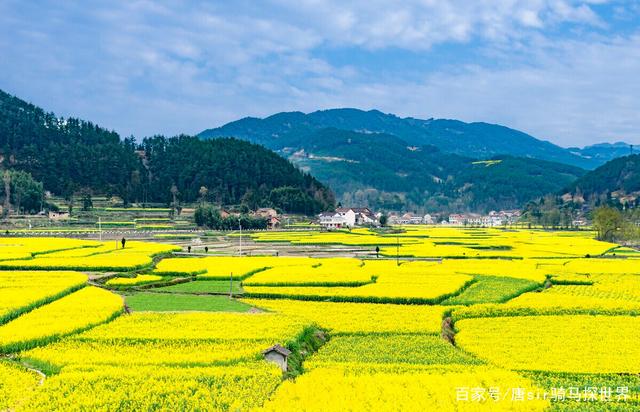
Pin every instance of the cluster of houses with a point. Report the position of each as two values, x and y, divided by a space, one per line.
361 216
493 218
411 219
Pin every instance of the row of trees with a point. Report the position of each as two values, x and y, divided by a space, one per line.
611 220
209 216
551 212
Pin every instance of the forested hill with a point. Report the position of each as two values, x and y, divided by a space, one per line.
64 154
70 156
233 171
477 140
384 171
620 176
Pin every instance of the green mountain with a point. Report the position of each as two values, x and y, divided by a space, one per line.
476 140
384 171
70 156
619 177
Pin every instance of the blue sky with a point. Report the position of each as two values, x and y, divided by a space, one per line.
562 70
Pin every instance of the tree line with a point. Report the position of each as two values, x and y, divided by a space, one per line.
209 216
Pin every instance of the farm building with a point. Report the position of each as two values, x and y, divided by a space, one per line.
277 354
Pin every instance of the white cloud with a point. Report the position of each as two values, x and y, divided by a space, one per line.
146 67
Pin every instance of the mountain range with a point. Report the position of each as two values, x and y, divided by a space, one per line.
476 140
381 160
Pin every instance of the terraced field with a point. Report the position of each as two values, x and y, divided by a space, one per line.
445 319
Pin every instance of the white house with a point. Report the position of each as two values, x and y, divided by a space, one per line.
457 219
332 220
347 217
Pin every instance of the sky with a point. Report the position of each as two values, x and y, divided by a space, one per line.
562 70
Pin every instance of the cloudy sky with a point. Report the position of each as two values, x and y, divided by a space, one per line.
565 71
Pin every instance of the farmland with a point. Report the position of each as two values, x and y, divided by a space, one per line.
440 319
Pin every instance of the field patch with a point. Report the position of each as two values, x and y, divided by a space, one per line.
414 349
21 291
175 302
80 310
579 343
357 387
204 287
492 289
345 317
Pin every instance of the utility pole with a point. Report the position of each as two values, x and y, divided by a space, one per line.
398 250
231 286
100 227
240 224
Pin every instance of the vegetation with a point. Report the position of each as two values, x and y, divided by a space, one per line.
72 157
204 352
621 175
515 342
405 177
209 216
204 287
492 289
479 140
232 172
172 302
608 222
73 313
22 192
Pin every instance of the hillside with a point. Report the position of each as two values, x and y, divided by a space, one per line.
384 171
620 177
70 156
476 140
65 154
233 171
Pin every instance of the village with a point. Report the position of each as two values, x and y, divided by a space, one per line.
344 217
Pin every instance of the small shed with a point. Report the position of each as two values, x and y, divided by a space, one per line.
277 354
58 215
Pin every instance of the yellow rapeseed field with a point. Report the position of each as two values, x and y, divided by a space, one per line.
16 384
199 325
221 267
25 248
21 290
344 317
94 256
237 387
336 271
359 388
579 343
483 319
398 288
77 311
138 280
